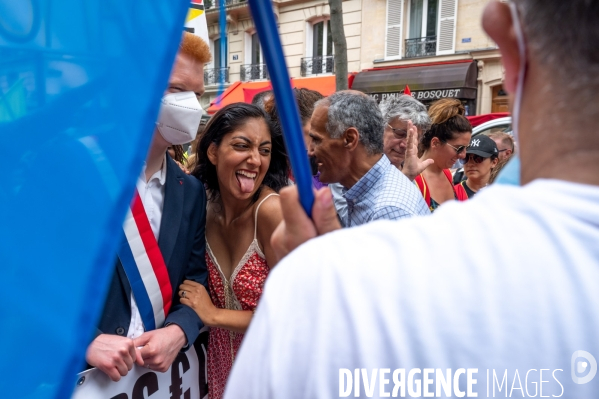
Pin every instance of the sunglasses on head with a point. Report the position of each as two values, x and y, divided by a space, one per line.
475 158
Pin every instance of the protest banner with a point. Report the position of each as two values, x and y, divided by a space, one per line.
185 379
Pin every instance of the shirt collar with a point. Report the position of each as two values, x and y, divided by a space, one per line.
160 175
368 181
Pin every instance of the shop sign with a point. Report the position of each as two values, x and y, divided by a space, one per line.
421 95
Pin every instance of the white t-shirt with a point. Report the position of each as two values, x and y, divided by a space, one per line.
516 291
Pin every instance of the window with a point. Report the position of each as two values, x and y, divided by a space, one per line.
256 50
217 71
220 60
431 27
254 67
422 32
423 18
322 40
319 51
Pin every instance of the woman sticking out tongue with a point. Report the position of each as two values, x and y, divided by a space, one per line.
247 180
243 165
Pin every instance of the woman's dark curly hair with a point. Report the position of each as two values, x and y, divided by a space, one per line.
225 121
448 120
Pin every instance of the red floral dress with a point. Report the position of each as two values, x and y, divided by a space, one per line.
242 292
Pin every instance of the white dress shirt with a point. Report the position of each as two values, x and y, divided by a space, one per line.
152 197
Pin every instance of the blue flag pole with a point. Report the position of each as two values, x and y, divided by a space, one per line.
223 43
266 27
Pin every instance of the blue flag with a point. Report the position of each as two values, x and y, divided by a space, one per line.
80 87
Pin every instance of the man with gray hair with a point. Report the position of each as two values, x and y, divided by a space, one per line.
347 143
403 114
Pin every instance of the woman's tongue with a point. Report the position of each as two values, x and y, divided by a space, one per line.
245 183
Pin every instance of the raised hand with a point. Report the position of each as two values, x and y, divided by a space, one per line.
413 166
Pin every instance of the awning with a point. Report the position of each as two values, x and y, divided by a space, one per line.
426 81
245 91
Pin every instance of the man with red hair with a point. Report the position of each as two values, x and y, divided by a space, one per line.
175 205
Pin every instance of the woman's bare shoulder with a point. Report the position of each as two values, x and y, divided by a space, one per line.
269 214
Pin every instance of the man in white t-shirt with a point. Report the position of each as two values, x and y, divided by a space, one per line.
396 309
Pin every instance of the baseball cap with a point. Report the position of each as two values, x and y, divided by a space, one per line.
482 145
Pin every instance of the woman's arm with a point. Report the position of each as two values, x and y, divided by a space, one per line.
196 297
269 217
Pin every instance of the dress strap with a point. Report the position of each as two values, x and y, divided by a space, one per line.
256 214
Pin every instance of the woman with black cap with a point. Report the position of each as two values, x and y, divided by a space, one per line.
481 158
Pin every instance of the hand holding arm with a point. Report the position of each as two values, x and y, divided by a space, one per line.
197 298
413 166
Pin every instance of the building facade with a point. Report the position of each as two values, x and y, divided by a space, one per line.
436 43
437 47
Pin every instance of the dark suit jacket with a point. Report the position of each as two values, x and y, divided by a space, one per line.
182 243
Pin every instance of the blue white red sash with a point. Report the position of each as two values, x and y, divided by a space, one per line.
145 268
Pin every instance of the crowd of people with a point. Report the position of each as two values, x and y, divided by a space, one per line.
379 161
223 220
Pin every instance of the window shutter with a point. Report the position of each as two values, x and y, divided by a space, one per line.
393 39
448 12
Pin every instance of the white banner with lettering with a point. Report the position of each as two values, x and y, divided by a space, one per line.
185 379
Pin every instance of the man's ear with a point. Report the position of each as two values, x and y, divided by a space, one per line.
351 138
498 23
212 151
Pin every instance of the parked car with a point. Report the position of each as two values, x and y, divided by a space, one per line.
496 125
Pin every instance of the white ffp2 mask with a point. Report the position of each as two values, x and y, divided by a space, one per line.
179 117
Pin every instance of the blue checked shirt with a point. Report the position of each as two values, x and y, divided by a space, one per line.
382 193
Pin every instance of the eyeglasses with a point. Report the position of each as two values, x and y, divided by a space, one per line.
459 149
400 134
505 149
475 158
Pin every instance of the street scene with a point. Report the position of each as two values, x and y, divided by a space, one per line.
299 199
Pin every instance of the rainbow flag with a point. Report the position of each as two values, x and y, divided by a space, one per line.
196 20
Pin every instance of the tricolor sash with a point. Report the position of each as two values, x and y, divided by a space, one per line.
145 268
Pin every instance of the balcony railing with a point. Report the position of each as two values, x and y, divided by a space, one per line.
213 76
421 46
317 65
253 72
